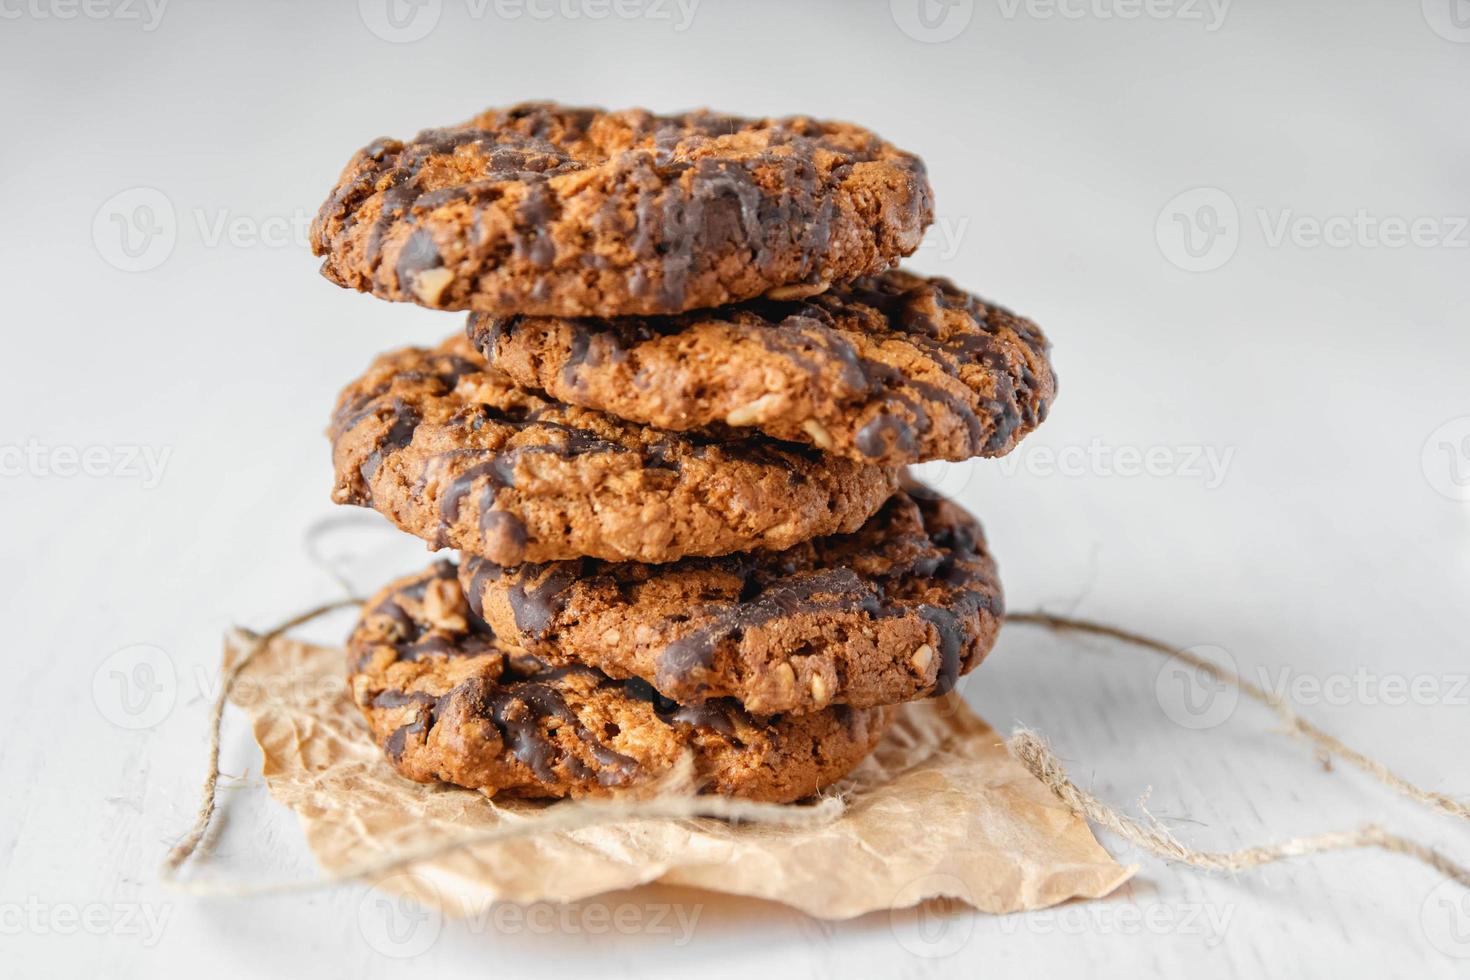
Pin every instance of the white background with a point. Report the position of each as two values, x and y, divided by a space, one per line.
1331 547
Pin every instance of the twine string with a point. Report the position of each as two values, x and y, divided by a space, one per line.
564 817
1033 753
1295 724
230 673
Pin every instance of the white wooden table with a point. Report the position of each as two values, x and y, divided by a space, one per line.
1319 365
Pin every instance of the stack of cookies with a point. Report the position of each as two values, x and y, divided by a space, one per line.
668 447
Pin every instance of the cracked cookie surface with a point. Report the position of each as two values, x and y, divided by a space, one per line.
446 701
542 208
894 612
894 368
453 452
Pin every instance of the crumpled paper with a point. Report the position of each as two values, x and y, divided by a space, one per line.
939 810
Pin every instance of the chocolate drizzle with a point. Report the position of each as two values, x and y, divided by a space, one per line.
498 470
505 157
951 638
418 253
528 715
840 589
482 573
398 739
385 404
717 715
899 304
412 639
686 211
533 606
536 607
405 420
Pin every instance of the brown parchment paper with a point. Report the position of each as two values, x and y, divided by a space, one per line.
939 809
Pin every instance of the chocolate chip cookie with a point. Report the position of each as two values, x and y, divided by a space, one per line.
452 451
447 701
894 612
894 368
548 209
